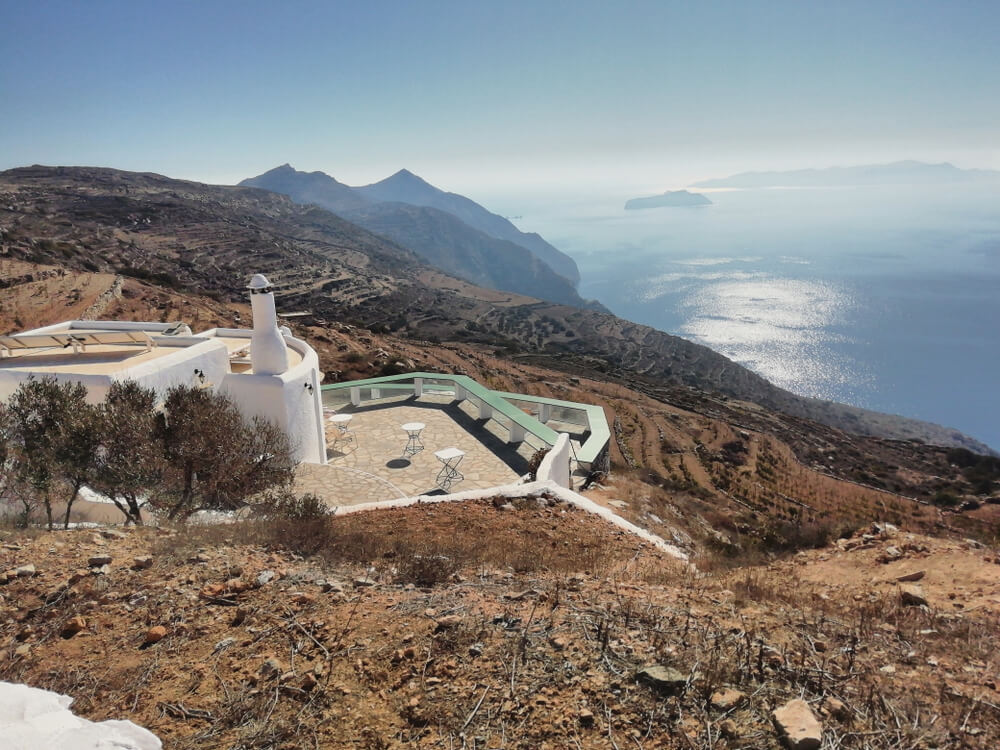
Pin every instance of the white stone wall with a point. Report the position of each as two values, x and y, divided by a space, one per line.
555 465
287 401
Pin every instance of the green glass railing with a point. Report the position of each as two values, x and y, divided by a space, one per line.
503 407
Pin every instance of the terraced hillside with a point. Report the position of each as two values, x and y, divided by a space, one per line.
206 239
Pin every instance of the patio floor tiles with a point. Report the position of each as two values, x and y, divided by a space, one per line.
372 466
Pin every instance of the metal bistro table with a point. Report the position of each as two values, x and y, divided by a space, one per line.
413 442
341 422
449 474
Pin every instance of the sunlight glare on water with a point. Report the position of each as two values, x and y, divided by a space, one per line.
781 328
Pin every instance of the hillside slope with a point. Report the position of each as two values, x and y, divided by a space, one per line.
406 187
433 224
523 628
447 243
693 466
185 235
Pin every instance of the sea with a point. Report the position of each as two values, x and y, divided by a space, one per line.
887 297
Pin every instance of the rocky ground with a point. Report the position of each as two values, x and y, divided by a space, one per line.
483 625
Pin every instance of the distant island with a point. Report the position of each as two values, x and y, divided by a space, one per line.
896 173
671 198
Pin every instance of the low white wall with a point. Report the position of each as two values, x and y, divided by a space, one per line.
555 465
97 385
178 367
160 374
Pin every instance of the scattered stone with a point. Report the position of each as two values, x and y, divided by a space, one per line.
663 678
884 530
798 726
302 598
476 649
271 668
309 681
332 587
558 642
363 582
507 507
914 576
727 699
265 577
212 590
890 554
585 717
23 650
155 634
447 622
912 595
142 563
113 534
73 626
223 645
618 504
98 560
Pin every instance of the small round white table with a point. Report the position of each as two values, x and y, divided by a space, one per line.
413 442
449 474
341 421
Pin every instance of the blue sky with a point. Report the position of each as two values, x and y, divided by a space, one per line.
497 94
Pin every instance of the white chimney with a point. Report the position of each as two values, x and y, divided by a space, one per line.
268 355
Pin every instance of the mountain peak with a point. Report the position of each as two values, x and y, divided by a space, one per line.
407 177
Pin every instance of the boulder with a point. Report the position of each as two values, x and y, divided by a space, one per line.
155 634
73 626
447 622
798 726
912 595
727 698
98 560
914 576
265 577
663 678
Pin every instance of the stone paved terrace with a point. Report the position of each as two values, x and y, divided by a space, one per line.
373 466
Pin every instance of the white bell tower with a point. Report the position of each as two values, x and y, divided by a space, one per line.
268 355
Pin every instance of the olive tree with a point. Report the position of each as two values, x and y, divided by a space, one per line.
54 434
129 458
214 459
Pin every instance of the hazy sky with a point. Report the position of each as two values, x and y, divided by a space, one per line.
504 94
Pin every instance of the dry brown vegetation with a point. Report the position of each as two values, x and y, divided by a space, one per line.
428 627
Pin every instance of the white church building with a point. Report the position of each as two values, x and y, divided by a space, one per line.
265 370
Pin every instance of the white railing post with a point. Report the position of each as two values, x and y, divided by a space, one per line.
516 433
376 393
418 387
356 396
485 410
544 413
460 393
